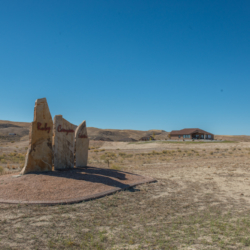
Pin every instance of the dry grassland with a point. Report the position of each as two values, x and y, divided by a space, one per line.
200 201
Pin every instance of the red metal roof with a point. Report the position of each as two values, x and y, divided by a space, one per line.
188 131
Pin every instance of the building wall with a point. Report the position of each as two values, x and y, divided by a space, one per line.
176 137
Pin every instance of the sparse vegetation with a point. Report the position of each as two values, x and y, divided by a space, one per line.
186 208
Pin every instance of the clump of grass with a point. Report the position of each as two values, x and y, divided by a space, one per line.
155 152
124 155
96 151
1 170
211 153
108 155
115 167
3 161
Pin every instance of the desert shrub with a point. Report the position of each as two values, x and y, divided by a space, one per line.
12 141
115 167
155 152
122 154
101 150
3 161
96 150
211 153
217 149
108 155
1 170
129 155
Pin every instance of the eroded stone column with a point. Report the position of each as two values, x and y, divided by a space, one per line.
63 143
39 155
82 145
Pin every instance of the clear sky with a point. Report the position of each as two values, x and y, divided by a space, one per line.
134 64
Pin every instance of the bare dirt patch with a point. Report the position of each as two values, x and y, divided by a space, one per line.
68 186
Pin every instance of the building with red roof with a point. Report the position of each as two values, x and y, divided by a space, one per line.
191 133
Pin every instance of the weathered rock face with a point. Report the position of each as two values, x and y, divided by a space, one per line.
82 145
39 155
63 143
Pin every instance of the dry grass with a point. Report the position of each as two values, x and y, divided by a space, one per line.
199 202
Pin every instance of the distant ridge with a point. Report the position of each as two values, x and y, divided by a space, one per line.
22 129
127 135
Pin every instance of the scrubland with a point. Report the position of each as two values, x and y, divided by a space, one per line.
201 200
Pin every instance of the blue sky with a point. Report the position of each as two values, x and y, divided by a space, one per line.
133 64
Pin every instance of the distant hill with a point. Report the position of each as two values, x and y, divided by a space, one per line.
242 138
124 135
22 130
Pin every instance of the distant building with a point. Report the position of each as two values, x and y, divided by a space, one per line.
191 133
12 133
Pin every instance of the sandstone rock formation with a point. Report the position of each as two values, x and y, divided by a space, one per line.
63 143
39 155
82 145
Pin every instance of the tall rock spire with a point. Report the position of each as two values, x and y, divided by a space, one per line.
39 155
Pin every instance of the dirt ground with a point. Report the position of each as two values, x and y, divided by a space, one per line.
201 200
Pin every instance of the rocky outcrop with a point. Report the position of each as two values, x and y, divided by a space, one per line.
39 155
63 143
82 145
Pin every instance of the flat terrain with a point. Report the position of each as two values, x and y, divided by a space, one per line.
201 200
